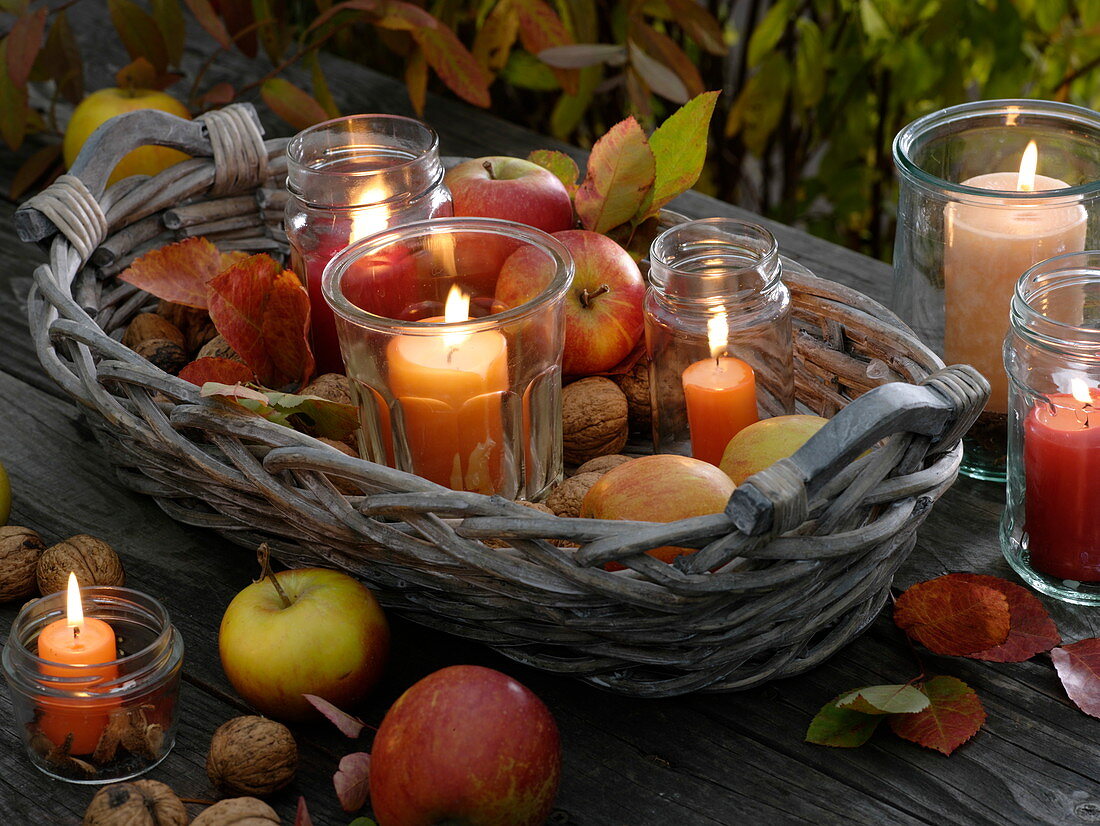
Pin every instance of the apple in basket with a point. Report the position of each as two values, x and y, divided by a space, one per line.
603 308
512 189
319 632
465 745
765 442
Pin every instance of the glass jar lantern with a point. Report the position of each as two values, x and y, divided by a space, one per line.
349 178
718 335
977 208
1050 531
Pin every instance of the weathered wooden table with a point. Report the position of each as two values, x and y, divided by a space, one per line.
714 759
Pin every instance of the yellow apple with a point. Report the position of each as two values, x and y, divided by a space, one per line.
104 105
765 442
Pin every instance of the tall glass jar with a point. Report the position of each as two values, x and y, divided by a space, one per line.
718 335
1050 531
973 215
349 178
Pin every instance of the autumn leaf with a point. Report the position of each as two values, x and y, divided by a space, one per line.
301 817
219 370
24 42
170 22
178 272
352 781
296 106
1031 630
218 95
139 32
495 38
954 715
953 617
1078 667
884 699
204 13
263 313
416 80
841 728
322 417
700 24
454 64
13 103
621 172
679 148
349 725
563 167
540 29
60 60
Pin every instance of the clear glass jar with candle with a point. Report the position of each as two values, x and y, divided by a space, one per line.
452 331
976 210
1050 530
349 178
107 719
718 335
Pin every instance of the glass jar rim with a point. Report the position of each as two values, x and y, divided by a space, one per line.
906 138
372 244
1060 272
661 248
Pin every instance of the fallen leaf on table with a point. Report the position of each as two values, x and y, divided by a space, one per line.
951 616
178 272
352 781
1031 630
1078 667
321 417
302 818
841 728
349 725
884 699
218 370
954 715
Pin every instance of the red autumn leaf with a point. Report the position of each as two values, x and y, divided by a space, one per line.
24 42
222 371
1031 630
296 106
953 617
454 64
263 312
301 817
349 725
352 781
178 272
1078 667
954 715
540 28
620 175
204 13
218 95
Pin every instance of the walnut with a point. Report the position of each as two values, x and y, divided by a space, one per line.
165 354
594 413
137 803
331 386
152 326
252 755
200 334
20 549
195 324
218 348
93 561
602 464
346 487
566 497
238 811
635 386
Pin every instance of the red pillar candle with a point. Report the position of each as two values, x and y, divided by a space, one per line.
77 641
1062 479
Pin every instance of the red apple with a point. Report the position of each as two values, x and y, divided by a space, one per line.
331 640
465 745
512 189
603 308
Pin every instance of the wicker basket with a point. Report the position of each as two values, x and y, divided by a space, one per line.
801 562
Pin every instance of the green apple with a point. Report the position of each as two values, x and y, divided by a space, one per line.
765 442
328 637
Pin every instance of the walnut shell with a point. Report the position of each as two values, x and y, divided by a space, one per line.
602 464
331 386
165 354
594 415
345 486
566 497
137 803
635 386
20 550
148 326
238 811
195 324
218 348
92 559
252 755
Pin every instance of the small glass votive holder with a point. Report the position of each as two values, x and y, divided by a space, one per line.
718 335
103 722
452 332
1050 530
973 216
349 178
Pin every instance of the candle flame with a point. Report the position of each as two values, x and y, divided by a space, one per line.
717 333
1080 390
75 614
1028 163
370 217
456 308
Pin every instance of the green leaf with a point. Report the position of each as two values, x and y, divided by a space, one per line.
528 72
139 33
24 43
809 63
841 728
495 38
362 821
208 18
569 109
565 169
60 60
321 91
169 17
540 29
874 25
455 65
621 172
416 79
296 106
679 149
758 109
321 417
270 30
768 32
13 104
884 699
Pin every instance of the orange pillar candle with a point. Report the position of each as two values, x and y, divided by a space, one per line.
450 388
720 394
77 641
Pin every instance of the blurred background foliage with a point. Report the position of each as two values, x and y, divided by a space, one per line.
813 90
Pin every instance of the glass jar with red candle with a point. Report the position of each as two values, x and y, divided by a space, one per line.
1050 531
718 335
349 178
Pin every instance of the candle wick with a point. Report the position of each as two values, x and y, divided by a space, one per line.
76 631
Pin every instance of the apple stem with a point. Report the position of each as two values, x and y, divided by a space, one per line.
263 554
586 297
489 168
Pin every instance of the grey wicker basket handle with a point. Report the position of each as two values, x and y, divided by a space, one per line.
942 407
233 136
